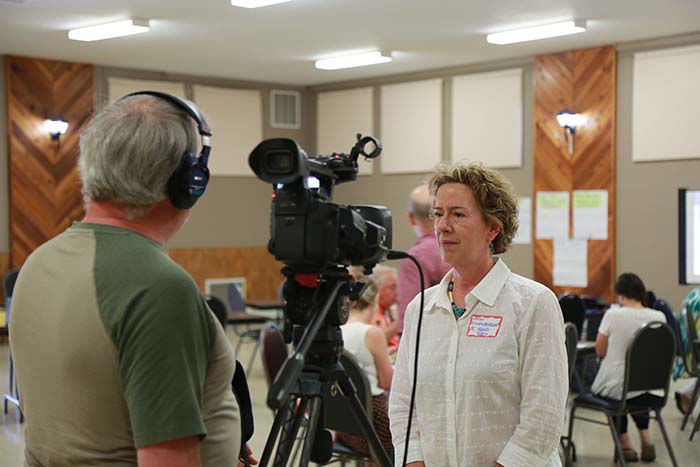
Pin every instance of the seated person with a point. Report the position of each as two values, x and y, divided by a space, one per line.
385 316
615 334
367 344
691 305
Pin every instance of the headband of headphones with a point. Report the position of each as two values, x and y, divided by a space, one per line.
189 181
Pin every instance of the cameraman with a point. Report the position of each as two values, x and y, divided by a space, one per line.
119 361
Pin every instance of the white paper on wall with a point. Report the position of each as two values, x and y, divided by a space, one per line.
570 266
552 214
590 214
524 233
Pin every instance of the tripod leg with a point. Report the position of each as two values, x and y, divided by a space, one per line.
283 418
314 412
376 448
289 432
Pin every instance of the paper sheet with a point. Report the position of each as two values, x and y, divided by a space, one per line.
524 233
552 214
570 263
590 214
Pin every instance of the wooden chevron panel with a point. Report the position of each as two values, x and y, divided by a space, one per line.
44 184
582 81
256 264
4 267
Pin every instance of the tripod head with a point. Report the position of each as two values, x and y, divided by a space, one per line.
316 306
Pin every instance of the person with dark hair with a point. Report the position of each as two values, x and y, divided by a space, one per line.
616 331
492 379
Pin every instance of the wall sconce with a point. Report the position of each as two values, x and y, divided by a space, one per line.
55 127
569 121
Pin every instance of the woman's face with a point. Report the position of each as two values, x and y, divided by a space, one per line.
462 234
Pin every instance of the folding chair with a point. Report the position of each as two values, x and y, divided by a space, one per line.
239 318
12 396
571 340
573 310
648 367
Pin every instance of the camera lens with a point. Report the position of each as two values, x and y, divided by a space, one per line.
279 161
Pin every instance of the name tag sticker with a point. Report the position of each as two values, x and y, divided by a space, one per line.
484 326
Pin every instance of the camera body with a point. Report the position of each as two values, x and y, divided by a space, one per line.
309 232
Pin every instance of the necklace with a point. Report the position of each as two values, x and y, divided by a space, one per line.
457 310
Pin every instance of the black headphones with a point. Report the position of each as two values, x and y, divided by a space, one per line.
190 179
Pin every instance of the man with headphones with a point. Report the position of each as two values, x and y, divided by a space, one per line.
119 361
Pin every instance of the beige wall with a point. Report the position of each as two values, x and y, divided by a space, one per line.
647 197
235 211
392 190
4 188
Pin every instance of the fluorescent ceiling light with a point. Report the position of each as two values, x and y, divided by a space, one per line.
352 61
256 3
537 32
109 30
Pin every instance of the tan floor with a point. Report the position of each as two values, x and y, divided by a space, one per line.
593 442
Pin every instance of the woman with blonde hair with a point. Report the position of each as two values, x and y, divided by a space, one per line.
492 375
367 343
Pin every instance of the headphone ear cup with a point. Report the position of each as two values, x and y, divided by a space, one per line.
188 182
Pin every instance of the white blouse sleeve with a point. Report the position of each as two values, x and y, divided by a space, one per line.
544 384
400 396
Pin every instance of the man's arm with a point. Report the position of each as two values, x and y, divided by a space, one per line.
183 452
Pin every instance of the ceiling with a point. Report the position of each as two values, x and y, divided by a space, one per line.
279 43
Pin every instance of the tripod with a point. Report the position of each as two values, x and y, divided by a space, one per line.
303 379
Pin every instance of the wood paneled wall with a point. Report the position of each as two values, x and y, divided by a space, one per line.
256 264
582 81
44 184
4 267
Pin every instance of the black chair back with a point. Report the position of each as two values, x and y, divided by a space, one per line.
218 307
273 351
571 340
649 360
337 410
9 282
573 310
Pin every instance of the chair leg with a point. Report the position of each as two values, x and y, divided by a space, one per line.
696 426
238 345
570 439
252 357
666 439
616 438
693 402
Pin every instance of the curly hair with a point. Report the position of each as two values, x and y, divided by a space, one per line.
493 193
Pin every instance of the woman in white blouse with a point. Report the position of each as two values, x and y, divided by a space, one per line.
492 372
367 343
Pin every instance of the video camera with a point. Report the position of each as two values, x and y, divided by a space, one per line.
308 232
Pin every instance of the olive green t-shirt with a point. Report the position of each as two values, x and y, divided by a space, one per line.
115 349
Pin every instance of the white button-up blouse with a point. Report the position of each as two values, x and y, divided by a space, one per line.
492 385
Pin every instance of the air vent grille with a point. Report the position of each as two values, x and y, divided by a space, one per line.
285 111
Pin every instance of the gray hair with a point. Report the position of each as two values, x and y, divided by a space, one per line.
131 148
380 272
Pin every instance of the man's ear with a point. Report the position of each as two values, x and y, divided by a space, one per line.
411 218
